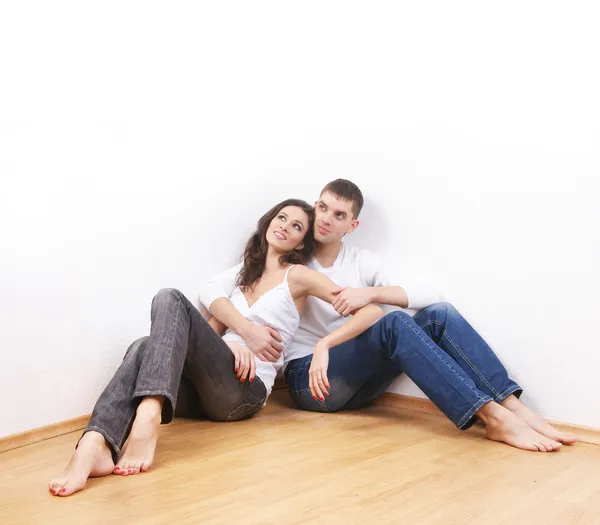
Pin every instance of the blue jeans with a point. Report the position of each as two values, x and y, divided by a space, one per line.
437 348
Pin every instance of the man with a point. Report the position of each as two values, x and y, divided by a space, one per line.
437 348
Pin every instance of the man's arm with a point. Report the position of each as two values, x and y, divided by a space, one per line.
214 295
382 287
262 341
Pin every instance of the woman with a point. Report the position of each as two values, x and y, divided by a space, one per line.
186 368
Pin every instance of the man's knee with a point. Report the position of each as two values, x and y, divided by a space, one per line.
396 318
442 309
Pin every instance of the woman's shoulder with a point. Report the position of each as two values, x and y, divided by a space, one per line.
300 273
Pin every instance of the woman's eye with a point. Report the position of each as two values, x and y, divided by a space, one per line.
297 226
281 217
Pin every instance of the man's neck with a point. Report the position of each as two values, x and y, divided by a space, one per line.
326 254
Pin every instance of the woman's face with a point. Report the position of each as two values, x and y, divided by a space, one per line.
287 230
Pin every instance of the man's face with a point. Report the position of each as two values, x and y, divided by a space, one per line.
334 218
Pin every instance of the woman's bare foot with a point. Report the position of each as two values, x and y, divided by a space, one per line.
536 422
502 425
138 452
92 458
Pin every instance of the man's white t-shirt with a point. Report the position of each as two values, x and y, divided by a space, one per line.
353 267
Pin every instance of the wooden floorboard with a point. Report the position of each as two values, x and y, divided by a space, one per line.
380 465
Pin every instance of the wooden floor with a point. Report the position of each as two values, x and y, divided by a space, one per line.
377 466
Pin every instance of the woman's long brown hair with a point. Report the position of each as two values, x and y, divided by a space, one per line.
255 253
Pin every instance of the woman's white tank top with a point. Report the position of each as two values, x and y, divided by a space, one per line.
275 308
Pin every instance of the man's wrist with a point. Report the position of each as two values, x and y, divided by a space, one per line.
244 328
371 294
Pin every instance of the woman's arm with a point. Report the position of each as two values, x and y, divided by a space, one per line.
217 325
310 282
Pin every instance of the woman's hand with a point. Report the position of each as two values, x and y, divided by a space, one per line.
317 375
245 365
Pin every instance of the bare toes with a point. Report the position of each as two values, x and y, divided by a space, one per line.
55 486
66 491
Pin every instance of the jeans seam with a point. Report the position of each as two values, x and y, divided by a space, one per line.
509 391
164 393
471 412
174 331
471 366
441 355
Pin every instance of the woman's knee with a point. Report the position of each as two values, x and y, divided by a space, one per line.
168 293
137 346
167 296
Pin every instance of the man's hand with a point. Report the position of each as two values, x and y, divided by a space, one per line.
317 374
350 299
263 342
245 364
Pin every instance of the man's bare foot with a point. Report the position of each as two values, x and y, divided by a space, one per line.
92 458
536 422
138 453
502 425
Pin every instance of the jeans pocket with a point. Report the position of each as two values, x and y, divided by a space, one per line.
243 411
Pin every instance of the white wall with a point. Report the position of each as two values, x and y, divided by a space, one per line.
140 141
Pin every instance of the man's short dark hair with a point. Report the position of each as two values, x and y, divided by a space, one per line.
347 191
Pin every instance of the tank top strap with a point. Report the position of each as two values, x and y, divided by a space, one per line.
286 273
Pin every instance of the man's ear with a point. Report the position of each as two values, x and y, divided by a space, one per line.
353 225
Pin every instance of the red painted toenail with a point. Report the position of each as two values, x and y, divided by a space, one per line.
63 490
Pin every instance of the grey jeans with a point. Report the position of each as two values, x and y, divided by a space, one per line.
184 360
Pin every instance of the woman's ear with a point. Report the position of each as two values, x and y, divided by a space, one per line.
299 247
